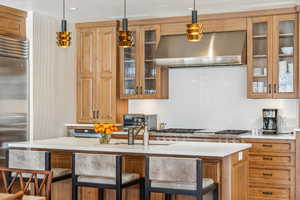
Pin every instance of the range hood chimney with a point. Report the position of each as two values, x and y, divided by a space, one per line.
215 49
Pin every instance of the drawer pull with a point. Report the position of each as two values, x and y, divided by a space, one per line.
267 174
267 145
267 158
268 193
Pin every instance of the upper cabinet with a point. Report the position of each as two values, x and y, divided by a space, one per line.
140 77
272 66
12 22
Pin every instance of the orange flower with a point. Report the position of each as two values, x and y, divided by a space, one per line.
108 131
105 128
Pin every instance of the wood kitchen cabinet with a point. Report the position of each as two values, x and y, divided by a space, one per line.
12 23
272 66
140 77
97 95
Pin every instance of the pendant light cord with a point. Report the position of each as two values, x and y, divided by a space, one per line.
194 4
125 5
64 9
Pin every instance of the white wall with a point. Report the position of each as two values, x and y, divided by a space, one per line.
52 79
214 97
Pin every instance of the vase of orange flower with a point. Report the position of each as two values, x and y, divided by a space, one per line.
105 131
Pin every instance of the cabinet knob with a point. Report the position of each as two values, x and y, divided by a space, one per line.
270 88
267 158
267 193
275 88
264 174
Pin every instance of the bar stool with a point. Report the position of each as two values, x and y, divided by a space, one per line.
171 175
35 160
103 172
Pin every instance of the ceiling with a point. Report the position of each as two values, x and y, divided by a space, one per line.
92 10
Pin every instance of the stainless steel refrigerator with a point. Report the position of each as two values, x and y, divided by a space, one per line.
14 99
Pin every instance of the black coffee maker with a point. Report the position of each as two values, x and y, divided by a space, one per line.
270 121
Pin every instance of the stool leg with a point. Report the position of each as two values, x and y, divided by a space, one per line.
168 196
119 194
216 194
142 189
74 192
101 194
200 197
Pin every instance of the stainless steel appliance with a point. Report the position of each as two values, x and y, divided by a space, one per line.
191 131
224 48
13 91
133 120
232 132
178 130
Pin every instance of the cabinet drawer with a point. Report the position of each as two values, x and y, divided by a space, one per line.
280 177
274 159
270 146
269 194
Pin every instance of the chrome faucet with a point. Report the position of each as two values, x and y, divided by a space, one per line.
133 132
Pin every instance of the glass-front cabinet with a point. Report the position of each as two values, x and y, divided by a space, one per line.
140 77
260 57
285 62
271 63
129 68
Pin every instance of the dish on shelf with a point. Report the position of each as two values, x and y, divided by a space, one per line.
287 50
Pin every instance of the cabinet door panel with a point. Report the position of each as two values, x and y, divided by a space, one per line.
260 57
85 100
106 77
129 64
285 62
106 100
87 51
150 74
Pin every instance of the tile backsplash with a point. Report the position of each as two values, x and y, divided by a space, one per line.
214 97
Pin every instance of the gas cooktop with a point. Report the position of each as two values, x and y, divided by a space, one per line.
232 132
191 131
178 130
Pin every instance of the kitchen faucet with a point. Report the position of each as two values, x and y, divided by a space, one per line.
133 132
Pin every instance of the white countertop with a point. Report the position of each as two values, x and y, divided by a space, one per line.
201 149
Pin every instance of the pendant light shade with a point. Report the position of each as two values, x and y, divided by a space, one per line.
194 31
125 36
64 37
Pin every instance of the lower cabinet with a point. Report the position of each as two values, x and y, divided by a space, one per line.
271 169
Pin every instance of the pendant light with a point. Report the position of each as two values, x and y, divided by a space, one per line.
194 31
63 37
125 36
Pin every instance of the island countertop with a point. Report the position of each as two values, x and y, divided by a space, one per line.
201 149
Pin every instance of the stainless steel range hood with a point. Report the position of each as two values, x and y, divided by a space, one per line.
215 49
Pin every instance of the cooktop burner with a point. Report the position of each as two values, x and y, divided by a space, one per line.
232 132
178 130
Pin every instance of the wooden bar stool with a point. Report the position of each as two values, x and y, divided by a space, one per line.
35 160
22 180
102 172
183 176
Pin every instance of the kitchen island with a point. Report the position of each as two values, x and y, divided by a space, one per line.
225 163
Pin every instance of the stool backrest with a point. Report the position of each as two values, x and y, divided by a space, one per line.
175 170
95 165
27 159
